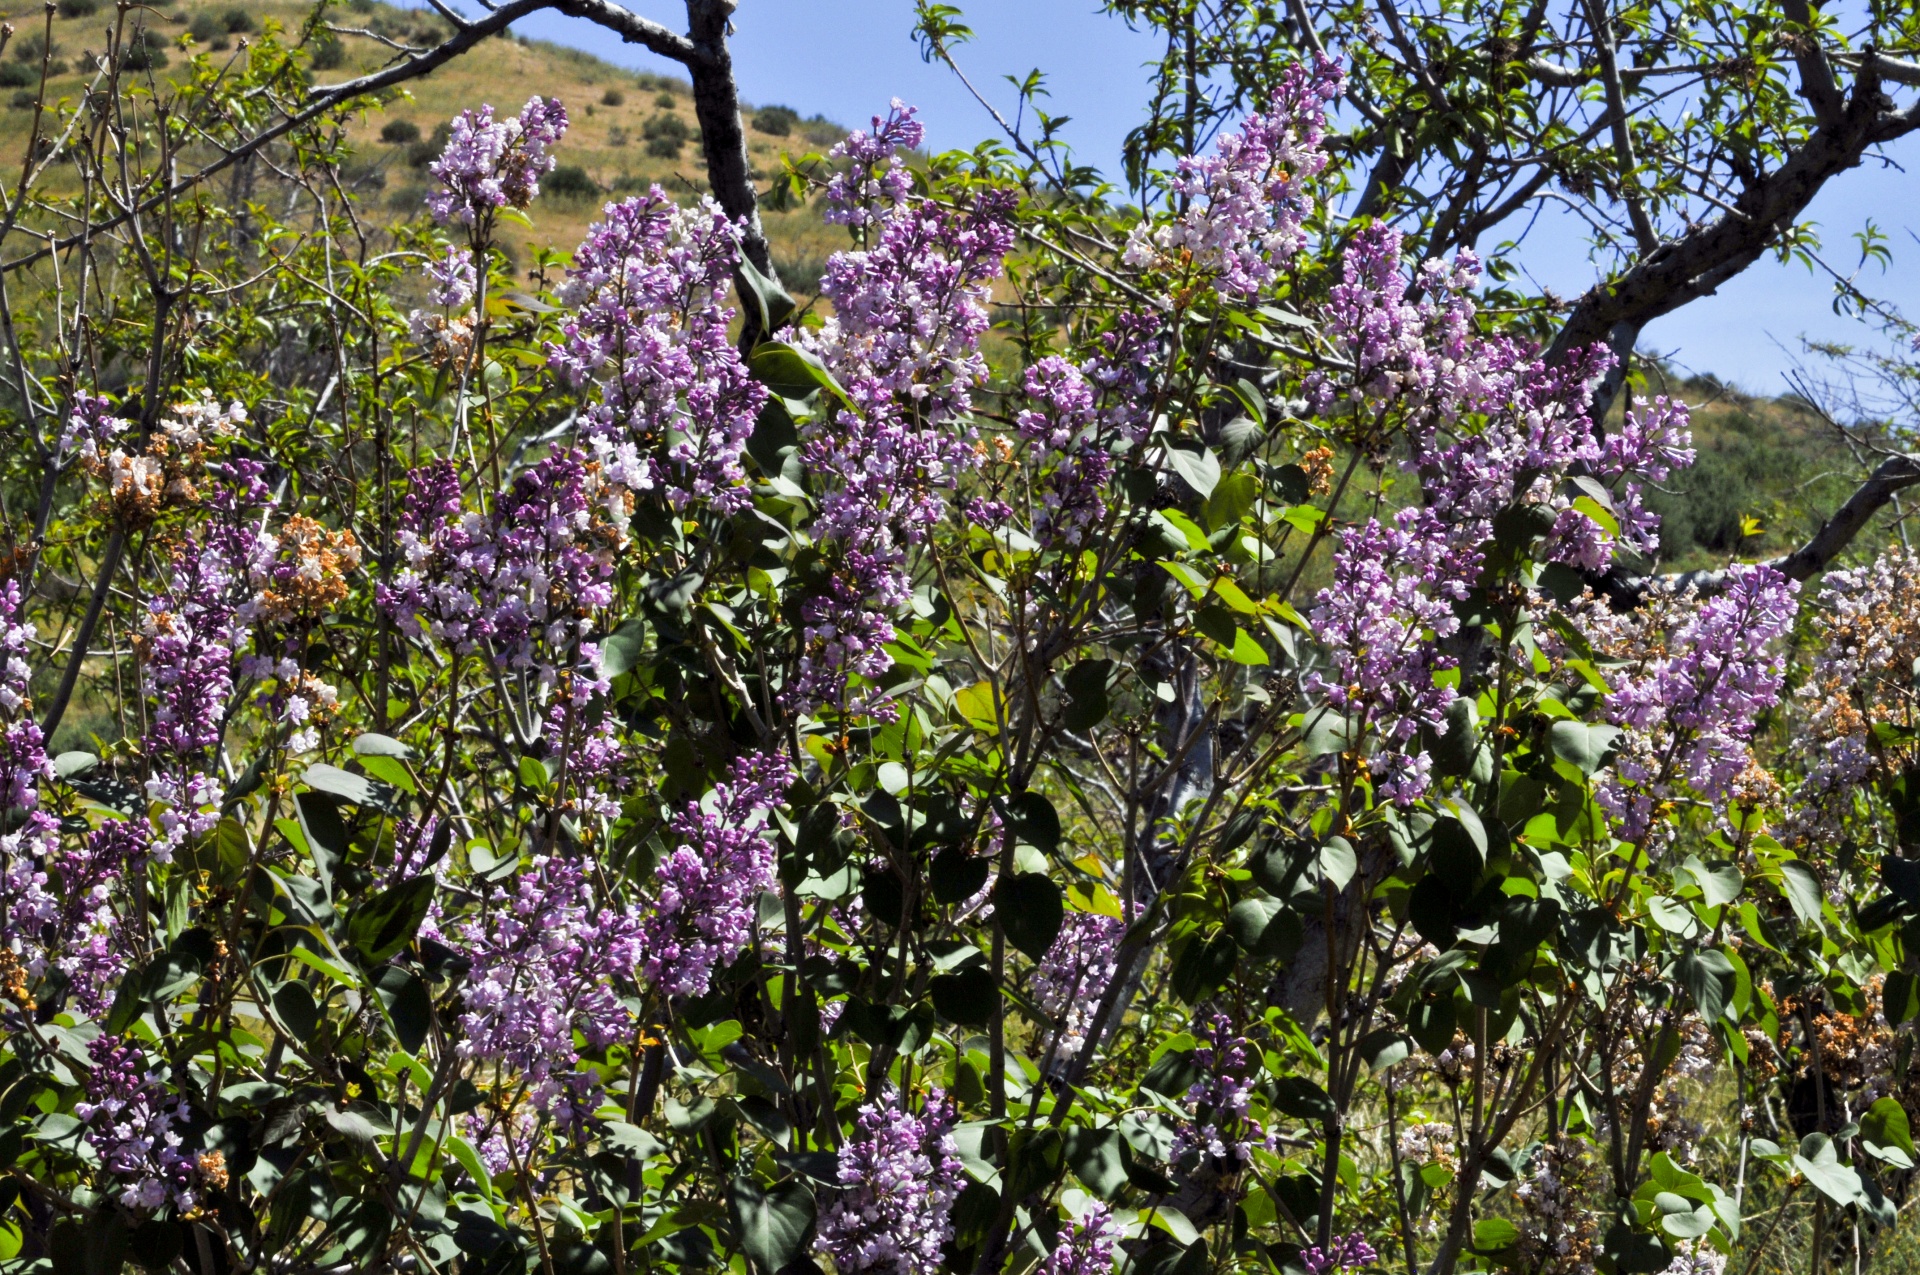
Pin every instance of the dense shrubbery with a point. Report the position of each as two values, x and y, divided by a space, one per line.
537 771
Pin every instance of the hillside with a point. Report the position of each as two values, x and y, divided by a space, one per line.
628 129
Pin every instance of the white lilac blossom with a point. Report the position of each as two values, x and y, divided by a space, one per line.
708 888
672 403
490 164
1245 204
899 1174
1427 1143
1073 975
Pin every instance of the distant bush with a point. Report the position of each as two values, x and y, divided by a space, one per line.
78 8
776 121
613 97
328 52
423 153
570 179
31 48
666 101
236 19
208 29
665 135
143 51
17 75
400 132
24 100
616 137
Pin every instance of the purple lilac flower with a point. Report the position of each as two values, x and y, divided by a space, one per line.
1247 201
868 176
23 753
27 906
1088 1246
708 889
92 431
1345 1254
454 279
1689 710
1381 619
1072 977
489 164
675 405
909 310
130 1123
95 950
545 960
1222 1132
188 644
899 1174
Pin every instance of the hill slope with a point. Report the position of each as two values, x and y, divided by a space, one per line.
629 129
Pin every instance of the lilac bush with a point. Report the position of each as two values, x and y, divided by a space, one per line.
1114 736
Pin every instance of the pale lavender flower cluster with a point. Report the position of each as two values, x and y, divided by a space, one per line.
1072 977
868 177
455 281
545 961
908 314
92 431
675 405
1689 703
1088 1247
709 887
519 586
28 908
1222 1132
95 950
899 1174
189 640
1348 1253
490 164
1382 620
131 1124
1246 203
23 754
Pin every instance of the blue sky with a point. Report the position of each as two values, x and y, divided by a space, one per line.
845 58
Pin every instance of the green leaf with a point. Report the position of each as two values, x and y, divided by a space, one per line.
621 649
1302 1099
791 372
1820 1165
1098 1157
1033 820
1383 1047
771 1223
408 1003
1201 964
294 1006
1709 978
1198 468
1030 909
326 834
372 745
1338 862
1719 884
357 789
1586 746
386 923
1087 703
1802 889
967 997
1886 1134
1266 928
772 303
957 875
67 765
1494 1235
